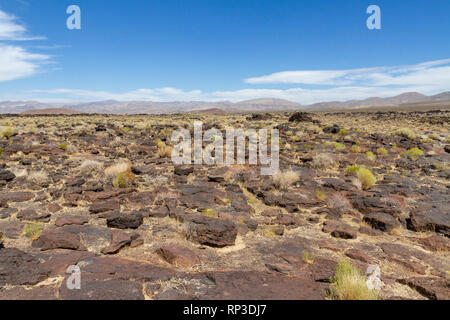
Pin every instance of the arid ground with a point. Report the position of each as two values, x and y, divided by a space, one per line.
101 192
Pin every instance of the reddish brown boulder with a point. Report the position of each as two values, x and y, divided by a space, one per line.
436 243
70 220
105 206
178 255
119 240
381 221
211 231
430 287
16 196
32 215
58 239
20 268
339 230
359 255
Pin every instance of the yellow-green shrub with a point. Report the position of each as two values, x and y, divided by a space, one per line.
366 177
355 149
414 153
371 156
405 132
382 151
349 284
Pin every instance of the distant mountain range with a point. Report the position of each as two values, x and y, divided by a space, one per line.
256 105
402 99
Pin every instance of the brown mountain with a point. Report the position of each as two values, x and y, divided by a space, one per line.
51 111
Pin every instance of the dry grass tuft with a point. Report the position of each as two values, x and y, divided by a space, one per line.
323 161
283 180
349 284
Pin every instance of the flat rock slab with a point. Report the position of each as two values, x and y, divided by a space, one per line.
32 215
20 293
71 220
58 239
432 288
339 229
20 268
435 243
253 285
178 255
94 238
381 221
93 289
431 218
16 196
104 206
119 240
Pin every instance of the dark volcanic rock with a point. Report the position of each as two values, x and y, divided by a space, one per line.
375 204
211 231
69 220
31 215
16 196
334 129
178 255
300 117
37 293
358 255
339 229
119 240
125 221
105 206
432 288
253 285
435 243
6 175
183 170
381 221
7 212
20 268
113 289
431 217
58 239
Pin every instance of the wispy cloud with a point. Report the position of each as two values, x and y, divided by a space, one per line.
15 61
157 95
12 30
434 73
300 95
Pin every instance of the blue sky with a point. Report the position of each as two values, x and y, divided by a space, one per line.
302 50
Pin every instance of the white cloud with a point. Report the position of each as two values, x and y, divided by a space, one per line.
11 30
15 61
434 73
300 95
157 95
